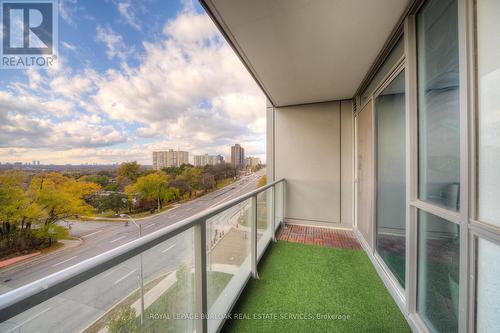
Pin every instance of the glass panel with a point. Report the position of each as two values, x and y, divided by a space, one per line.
111 301
264 225
396 53
438 272
438 103
488 287
488 67
228 259
391 181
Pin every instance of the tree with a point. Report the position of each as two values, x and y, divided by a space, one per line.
129 170
181 185
207 181
101 180
11 196
262 181
172 171
61 197
191 176
154 188
17 209
124 322
113 201
112 187
182 275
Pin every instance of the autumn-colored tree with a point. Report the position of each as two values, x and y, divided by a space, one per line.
129 170
17 209
11 194
61 197
192 177
262 181
154 188
181 185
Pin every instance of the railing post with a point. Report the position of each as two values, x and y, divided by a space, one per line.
253 237
273 210
200 271
283 189
141 279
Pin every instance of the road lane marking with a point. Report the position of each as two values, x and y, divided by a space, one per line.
62 262
111 272
95 232
168 248
149 226
227 197
125 276
117 239
29 319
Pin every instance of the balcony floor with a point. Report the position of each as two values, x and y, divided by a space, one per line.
303 281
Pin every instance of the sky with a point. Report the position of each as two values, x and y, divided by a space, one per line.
133 76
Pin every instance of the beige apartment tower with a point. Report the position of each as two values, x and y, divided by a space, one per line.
252 162
202 160
169 158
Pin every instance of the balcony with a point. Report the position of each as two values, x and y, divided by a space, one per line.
146 286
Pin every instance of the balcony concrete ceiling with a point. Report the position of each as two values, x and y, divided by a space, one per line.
304 51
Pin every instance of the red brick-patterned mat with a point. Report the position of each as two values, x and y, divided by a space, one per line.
344 239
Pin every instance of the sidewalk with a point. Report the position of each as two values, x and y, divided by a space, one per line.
28 258
12 261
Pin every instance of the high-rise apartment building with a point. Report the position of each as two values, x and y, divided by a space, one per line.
237 156
202 160
169 158
252 162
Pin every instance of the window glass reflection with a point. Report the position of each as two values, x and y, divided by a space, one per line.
438 104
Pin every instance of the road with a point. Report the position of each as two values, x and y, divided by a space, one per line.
76 308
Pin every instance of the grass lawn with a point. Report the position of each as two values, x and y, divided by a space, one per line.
302 281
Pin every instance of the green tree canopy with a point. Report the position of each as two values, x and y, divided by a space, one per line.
102 180
113 201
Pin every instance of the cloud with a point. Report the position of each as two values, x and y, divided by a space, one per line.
24 131
188 90
49 112
191 66
126 10
115 47
68 46
68 10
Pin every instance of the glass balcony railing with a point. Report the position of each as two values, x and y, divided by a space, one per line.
184 277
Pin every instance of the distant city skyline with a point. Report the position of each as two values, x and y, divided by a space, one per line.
121 91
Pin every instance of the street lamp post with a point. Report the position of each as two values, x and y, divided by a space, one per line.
141 271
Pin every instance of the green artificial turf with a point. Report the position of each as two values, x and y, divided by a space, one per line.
299 282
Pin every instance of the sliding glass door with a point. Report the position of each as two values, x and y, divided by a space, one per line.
391 176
